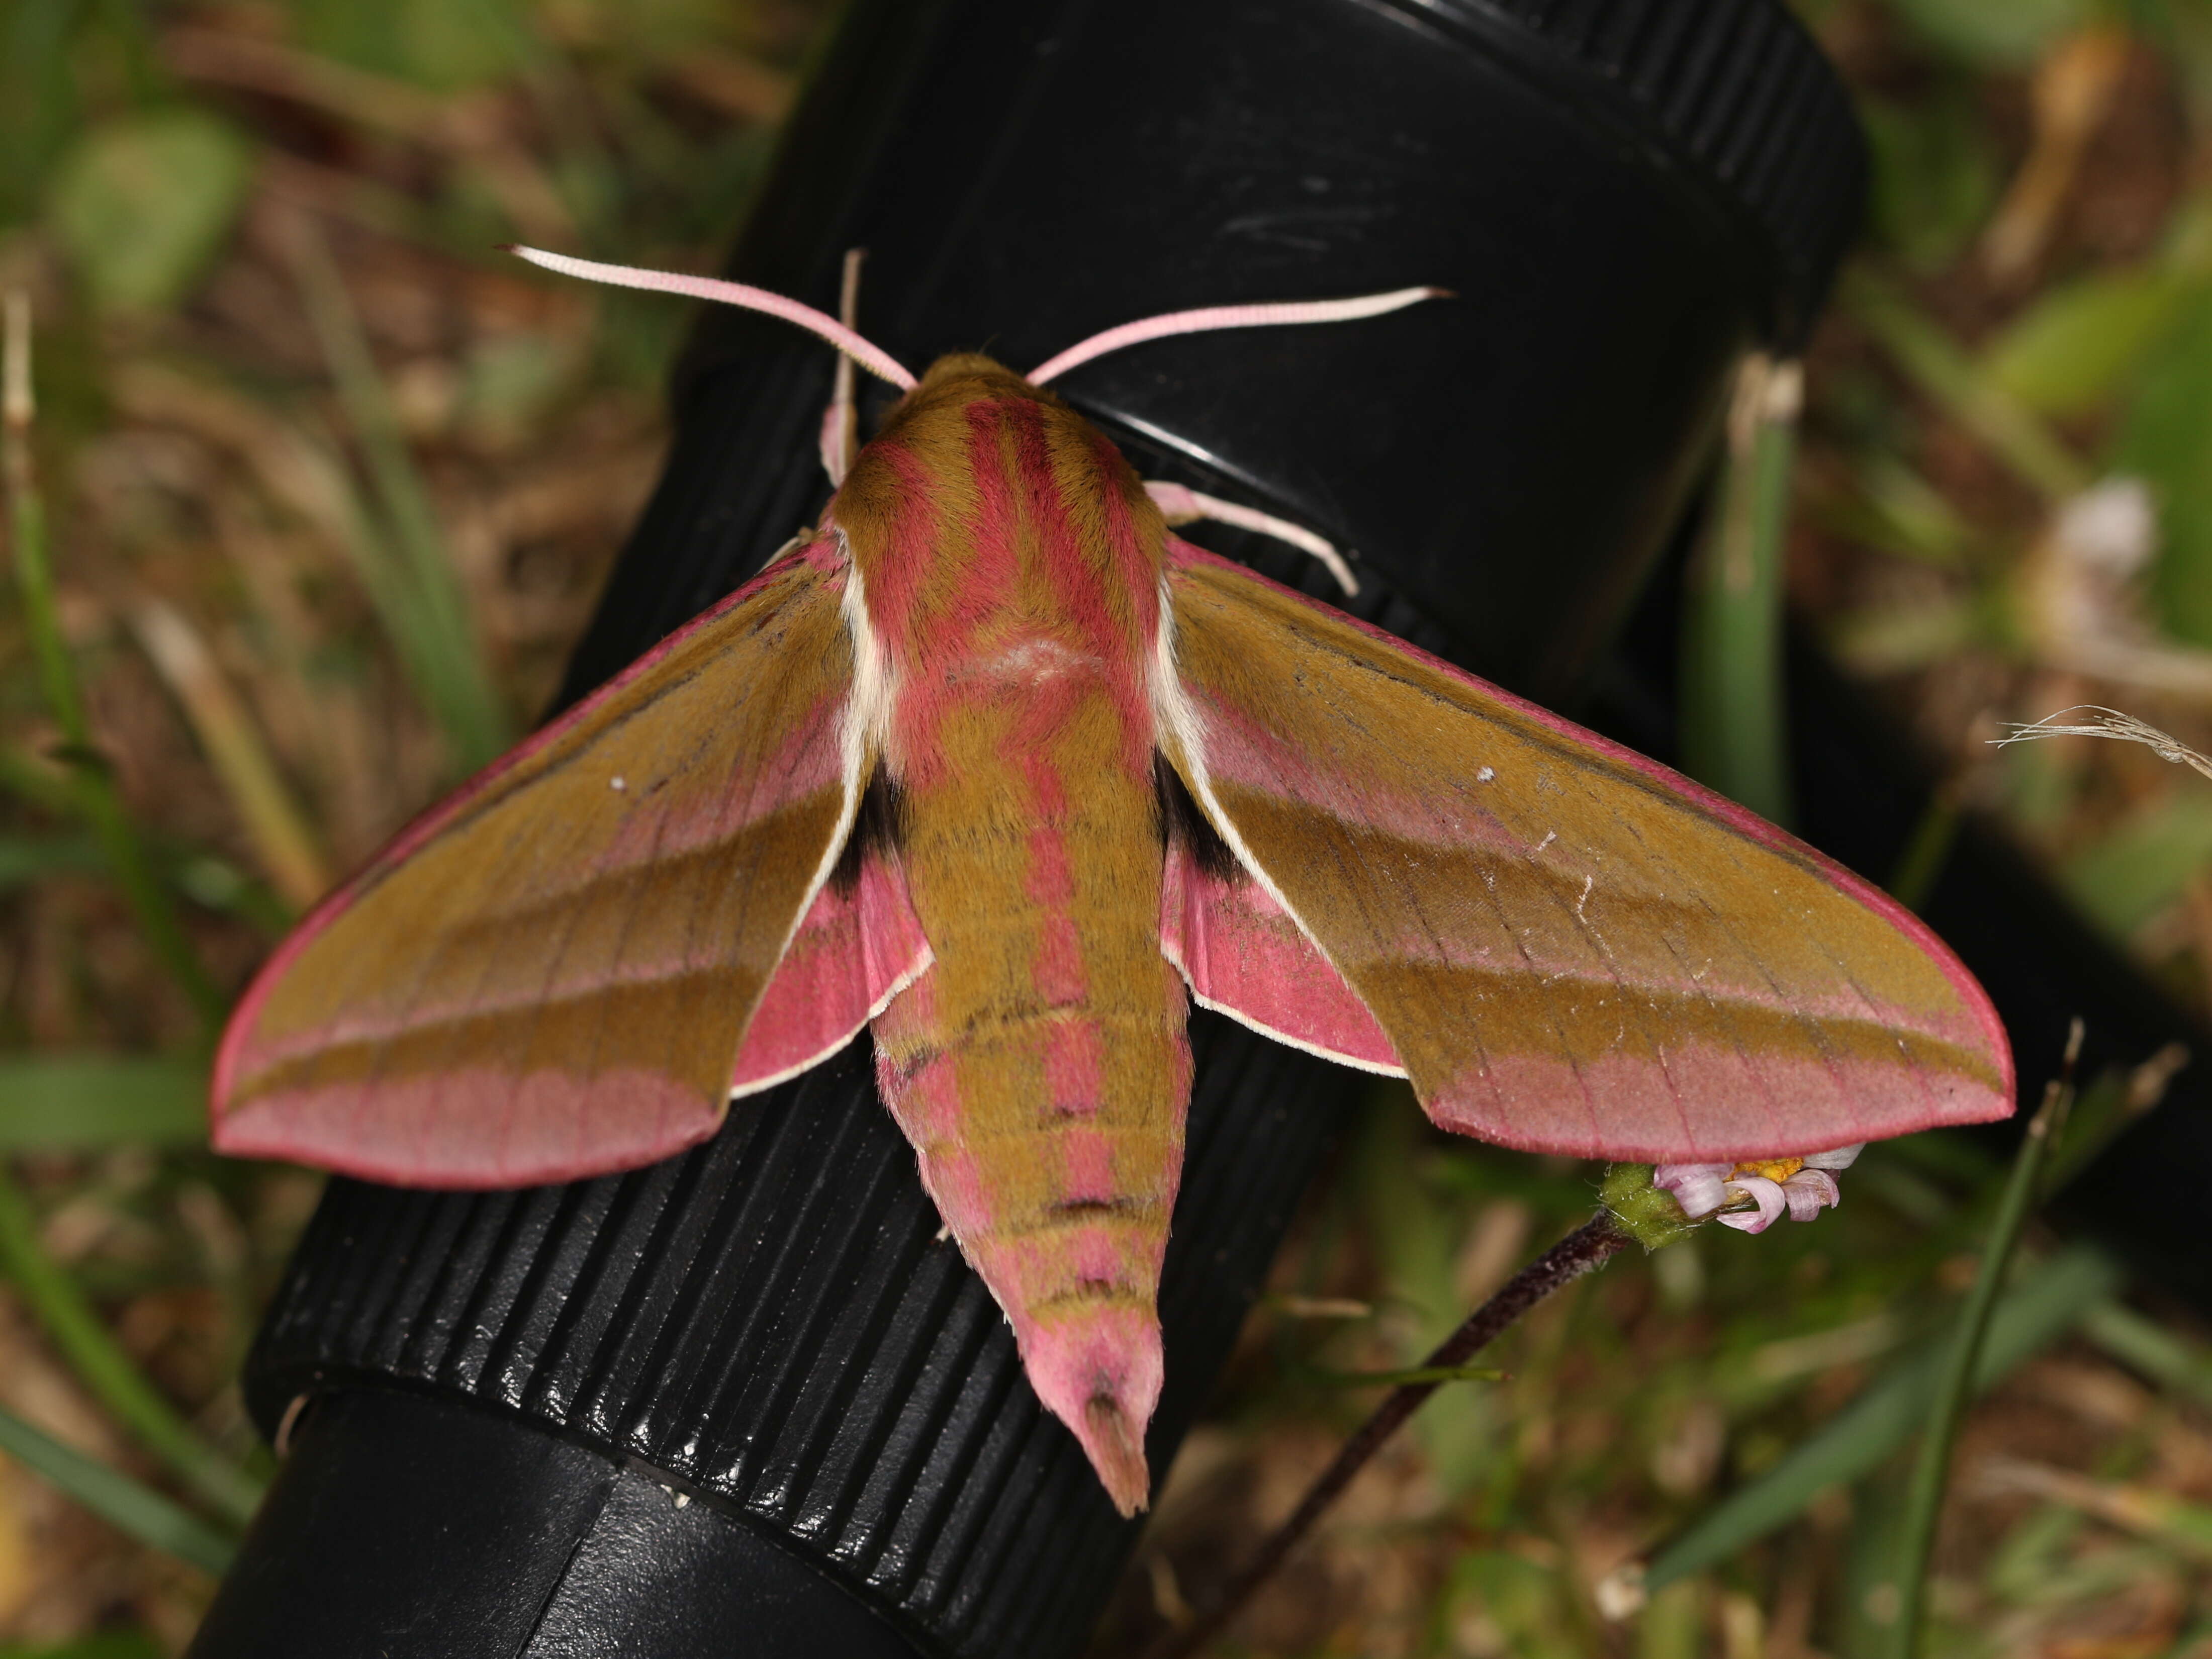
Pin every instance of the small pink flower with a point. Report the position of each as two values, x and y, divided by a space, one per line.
1803 1186
1808 1191
1699 1188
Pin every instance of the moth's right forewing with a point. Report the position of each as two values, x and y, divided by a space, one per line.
549 975
1570 948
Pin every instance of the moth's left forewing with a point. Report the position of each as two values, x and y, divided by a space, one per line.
1570 948
549 975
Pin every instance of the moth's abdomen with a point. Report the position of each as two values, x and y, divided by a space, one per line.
1011 567
1041 1067
1050 1139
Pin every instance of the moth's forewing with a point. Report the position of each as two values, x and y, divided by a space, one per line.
1570 948
549 974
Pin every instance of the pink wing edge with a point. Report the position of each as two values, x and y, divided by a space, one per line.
1183 554
227 1137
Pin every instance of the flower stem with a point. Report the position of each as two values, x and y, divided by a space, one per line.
1589 1246
1931 1469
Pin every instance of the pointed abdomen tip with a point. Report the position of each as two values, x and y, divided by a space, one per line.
1116 1447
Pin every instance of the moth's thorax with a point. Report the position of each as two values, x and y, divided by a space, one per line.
1001 539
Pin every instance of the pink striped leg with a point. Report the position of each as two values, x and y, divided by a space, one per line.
1183 505
841 422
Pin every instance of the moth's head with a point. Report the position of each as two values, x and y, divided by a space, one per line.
964 408
961 377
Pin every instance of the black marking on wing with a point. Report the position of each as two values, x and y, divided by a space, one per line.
1179 819
878 827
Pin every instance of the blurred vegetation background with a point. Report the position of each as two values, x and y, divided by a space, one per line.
328 488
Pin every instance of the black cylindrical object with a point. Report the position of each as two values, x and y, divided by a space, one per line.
512 1397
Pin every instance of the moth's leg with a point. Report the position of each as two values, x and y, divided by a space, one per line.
1183 505
841 422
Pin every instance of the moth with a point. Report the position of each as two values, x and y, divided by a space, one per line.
991 762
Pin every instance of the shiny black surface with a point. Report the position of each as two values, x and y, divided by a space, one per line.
439 1529
1023 176
773 1321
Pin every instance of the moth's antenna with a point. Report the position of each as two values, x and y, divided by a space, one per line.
878 361
841 422
1253 316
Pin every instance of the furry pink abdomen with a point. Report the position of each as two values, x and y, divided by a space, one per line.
1041 1067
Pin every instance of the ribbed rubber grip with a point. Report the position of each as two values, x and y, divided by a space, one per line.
1736 88
773 1321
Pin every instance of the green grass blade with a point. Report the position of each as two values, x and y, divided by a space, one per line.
2040 1307
2155 1516
37 782
93 788
286 843
150 903
1733 721
1866 1600
2069 350
25 859
189 871
429 619
1920 866
1675 1626
1954 1385
2164 1355
144 1514
77 1331
1940 367
108 1644
79 1102
2107 1109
